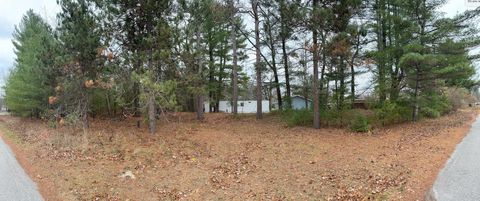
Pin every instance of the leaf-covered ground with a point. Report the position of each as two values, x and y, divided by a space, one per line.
240 158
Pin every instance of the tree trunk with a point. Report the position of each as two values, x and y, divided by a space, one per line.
85 123
352 85
337 97
136 89
274 65
381 44
151 113
316 108
343 86
109 107
352 69
211 78
83 107
277 86
287 73
258 66
415 105
220 83
200 106
284 37
323 94
233 36
395 86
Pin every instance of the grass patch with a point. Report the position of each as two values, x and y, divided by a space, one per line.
10 135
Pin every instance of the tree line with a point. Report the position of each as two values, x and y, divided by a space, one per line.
123 57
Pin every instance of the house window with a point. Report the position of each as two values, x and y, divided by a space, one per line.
241 104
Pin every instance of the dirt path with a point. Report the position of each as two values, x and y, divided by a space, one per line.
14 182
460 179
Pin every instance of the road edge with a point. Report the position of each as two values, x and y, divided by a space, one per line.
45 188
430 195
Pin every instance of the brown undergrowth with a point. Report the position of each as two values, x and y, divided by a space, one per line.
227 158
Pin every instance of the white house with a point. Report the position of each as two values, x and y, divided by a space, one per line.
248 106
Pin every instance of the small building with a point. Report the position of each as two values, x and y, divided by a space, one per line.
360 104
300 102
246 107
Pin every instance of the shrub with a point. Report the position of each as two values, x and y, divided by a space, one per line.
360 123
352 119
458 97
302 117
435 105
331 118
337 118
392 112
430 112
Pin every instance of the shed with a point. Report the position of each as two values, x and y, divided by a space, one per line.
360 104
300 102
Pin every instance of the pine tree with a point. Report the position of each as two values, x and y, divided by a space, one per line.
258 65
81 58
233 35
271 32
32 79
315 94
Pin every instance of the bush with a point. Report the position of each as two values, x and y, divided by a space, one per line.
331 118
434 106
458 97
430 112
337 118
392 113
360 123
302 117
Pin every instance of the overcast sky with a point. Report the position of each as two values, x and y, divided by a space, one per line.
11 12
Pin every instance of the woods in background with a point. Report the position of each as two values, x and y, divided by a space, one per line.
148 57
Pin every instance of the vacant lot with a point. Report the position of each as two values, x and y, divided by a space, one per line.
229 158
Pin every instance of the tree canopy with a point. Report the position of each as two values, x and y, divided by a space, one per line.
149 57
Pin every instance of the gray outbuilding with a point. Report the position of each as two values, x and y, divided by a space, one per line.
299 102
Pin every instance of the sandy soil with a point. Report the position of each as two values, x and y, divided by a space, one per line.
241 158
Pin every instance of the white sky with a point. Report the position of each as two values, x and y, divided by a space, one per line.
11 12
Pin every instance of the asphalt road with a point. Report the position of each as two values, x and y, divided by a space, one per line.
15 185
460 178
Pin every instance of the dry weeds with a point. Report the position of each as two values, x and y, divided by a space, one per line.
240 158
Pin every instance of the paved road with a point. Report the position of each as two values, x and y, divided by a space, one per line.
460 178
15 185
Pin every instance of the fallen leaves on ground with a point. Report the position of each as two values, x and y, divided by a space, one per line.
239 159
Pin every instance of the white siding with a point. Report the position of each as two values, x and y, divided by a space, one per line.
249 106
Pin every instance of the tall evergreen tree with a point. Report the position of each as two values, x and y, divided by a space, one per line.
32 80
80 36
258 65
316 103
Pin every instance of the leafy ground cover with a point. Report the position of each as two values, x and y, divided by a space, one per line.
240 158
